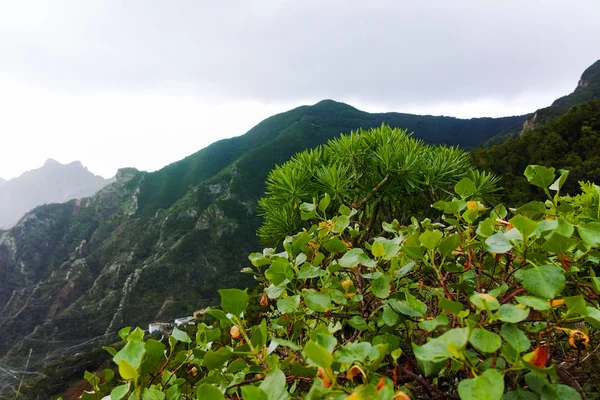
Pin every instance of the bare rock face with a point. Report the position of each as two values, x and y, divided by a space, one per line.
52 183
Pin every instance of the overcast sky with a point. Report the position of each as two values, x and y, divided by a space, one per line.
143 83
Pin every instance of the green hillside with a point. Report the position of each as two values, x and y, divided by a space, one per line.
571 141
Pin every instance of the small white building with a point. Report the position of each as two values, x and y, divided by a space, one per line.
162 327
184 321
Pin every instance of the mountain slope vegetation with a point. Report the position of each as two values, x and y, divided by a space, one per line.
571 141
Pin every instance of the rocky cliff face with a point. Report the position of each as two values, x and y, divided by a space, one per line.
52 183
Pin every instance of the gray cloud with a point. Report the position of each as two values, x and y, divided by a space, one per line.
381 52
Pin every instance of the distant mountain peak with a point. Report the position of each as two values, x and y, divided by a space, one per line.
332 104
51 162
590 76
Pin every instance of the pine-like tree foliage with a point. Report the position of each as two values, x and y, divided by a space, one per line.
383 173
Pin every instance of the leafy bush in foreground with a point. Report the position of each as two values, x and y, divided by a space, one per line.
475 306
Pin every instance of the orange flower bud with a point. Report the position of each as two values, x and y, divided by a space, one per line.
235 332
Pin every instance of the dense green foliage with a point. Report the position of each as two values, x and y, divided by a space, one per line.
382 172
279 137
482 305
571 142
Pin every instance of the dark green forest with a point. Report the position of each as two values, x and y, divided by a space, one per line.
571 141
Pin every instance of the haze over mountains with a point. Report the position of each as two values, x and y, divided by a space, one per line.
52 183
154 246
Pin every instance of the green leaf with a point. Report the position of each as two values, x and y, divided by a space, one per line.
465 188
358 323
206 391
564 392
354 257
520 395
252 393
353 352
288 304
274 385
430 239
319 355
486 228
449 244
558 244
515 337
335 245
377 249
317 301
381 286
404 307
524 225
126 371
181 335
340 223
590 233
484 301
442 347
324 203
430 324
132 353
498 243
576 305
512 313
216 359
534 302
234 301
487 386
119 392
485 341
539 176
153 394
308 272
546 281
557 185
453 306
279 271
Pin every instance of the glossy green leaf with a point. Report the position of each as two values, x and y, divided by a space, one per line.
430 324
590 233
539 176
358 323
465 188
119 392
544 281
153 394
216 358
524 225
279 271
288 304
253 393
319 355
353 352
340 223
515 337
181 335
487 386
520 395
449 244
498 243
558 244
354 257
234 301
274 385
324 202
430 239
485 341
484 301
534 302
404 307
381 286
132 353
512 313
317 301
206 391
441 348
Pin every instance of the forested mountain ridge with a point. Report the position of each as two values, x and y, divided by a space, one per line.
52 183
